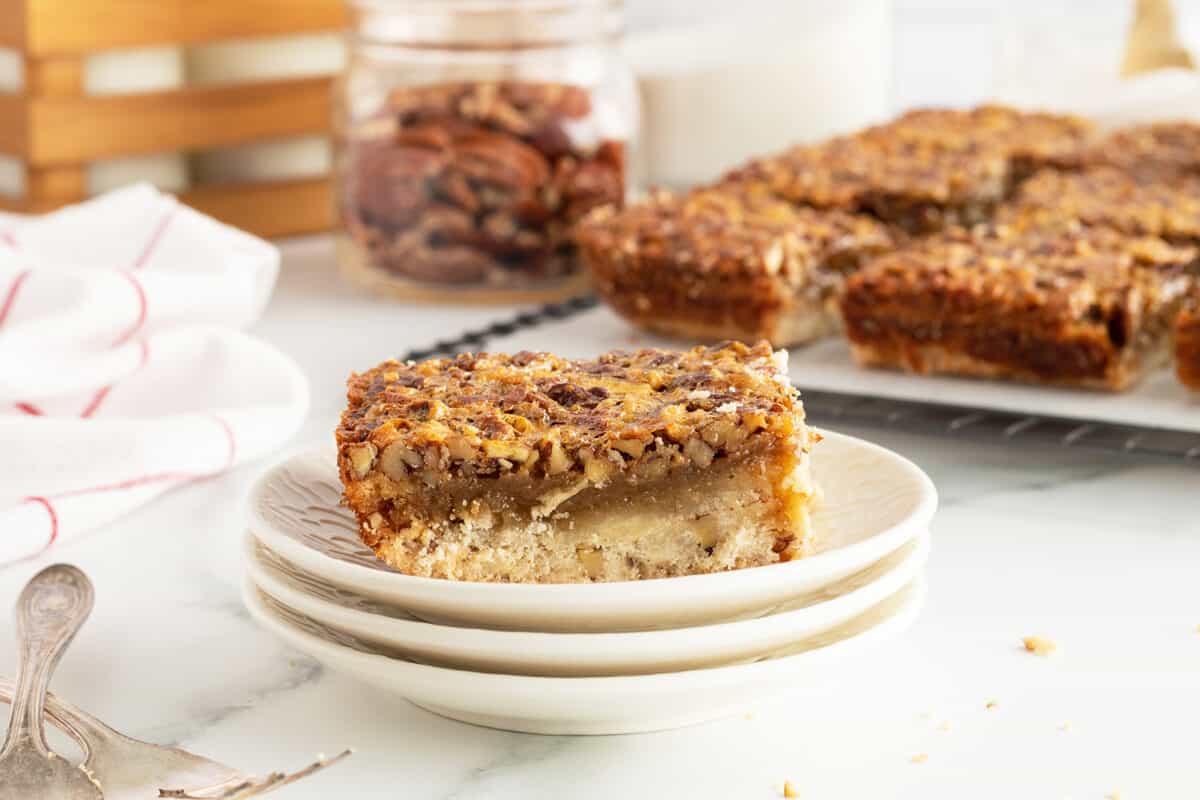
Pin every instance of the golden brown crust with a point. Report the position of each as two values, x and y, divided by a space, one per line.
481 415
1146 204
1078 306
726 262
1187 343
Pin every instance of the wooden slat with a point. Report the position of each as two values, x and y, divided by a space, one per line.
61 79
53 77
12 24
75 130
56 186
15 205
282 208
79 26
14 124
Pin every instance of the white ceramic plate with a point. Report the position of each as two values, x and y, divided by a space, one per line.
585 654
621 704
873 502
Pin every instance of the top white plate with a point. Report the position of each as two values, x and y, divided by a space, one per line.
873 502
1160 400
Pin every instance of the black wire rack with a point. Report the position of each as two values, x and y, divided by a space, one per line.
907 415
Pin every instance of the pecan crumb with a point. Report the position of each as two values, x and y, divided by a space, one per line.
1039 645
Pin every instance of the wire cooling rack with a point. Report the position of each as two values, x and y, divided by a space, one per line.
911 416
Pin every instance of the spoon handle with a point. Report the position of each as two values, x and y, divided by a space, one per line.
50 610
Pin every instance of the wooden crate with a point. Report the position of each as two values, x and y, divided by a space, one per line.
56 130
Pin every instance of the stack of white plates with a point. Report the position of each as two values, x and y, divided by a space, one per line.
603 657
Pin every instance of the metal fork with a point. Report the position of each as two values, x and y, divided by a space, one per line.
129 769
50 610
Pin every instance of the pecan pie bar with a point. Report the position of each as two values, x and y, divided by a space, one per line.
1141 204
1169 148
533 468
917 183
1031 139
1076 307
727 263
1187 343
925 170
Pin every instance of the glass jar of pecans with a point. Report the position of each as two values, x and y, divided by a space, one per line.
472 136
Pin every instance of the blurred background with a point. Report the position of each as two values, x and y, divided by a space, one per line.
239 124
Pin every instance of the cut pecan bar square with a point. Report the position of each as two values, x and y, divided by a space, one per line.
926 170
1166 148
533 468
1140 204
1068 306
917 183
728 263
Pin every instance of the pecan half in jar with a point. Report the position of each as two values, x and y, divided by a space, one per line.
478 183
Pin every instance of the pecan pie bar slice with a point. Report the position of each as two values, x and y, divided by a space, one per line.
1187 343
1076 307
533 468
926 170
1162 147
1141 204
727 263
917 183
1031 139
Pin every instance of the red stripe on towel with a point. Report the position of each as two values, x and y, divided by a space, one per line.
143 311
44 503
98 399
155 238
10 297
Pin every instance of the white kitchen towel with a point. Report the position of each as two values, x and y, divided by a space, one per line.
123 372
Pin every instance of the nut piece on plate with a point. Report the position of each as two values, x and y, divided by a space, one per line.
727 263
477 182
925 170
1068 306
533 468
1187 343
1140 204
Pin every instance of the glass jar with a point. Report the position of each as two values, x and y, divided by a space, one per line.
472 135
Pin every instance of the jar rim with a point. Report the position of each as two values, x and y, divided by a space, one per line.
484 6
486 23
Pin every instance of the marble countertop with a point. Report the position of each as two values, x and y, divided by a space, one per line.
1098 553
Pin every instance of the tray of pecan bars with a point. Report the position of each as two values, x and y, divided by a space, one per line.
989 271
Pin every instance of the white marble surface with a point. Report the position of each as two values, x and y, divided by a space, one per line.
1098 553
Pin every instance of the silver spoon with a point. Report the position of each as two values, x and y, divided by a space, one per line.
50 610
133 770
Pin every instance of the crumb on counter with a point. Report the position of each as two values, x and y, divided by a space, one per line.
789 790
1039 645
920 758
991 705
